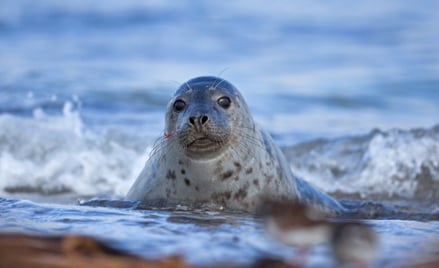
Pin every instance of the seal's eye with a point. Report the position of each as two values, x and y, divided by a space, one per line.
179 105
224 102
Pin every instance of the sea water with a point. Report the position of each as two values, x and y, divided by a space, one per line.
348 90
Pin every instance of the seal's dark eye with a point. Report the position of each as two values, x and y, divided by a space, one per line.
224 102
179 105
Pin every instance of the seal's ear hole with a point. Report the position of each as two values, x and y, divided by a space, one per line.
179 105
224 102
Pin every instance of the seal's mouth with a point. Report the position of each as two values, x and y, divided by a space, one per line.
203 142
202 146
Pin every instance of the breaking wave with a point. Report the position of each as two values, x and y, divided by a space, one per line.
386 164
47 154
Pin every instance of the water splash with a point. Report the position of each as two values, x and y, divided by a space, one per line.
51 154
386 164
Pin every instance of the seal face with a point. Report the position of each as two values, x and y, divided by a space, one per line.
213 154
201 116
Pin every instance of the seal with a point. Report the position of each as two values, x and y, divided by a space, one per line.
212 153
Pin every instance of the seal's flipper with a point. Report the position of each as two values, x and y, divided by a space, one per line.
322 201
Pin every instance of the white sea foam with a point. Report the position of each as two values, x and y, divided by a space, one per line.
54 154
396 163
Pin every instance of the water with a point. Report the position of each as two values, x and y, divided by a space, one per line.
348 90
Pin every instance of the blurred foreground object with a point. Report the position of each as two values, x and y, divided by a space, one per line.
353 243
426 260
296 224
19 250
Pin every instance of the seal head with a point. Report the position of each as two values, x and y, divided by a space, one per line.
203 117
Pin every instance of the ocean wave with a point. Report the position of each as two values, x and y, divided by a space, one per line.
385 164
49 154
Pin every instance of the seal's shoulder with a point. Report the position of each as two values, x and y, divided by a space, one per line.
268 142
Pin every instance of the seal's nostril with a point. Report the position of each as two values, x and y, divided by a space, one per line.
198 120
203 119
192 120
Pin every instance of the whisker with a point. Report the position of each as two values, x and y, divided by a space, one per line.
212 84
187 84
223 71
219 83
175 82
249 139
161 146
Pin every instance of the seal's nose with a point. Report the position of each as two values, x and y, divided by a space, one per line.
198 120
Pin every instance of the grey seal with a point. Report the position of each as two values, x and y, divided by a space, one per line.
212 153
